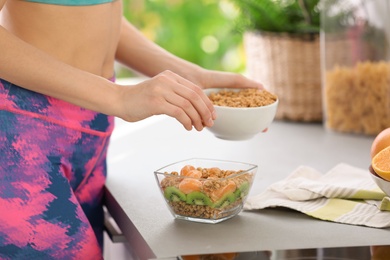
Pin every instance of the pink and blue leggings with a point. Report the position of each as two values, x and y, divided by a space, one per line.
52 173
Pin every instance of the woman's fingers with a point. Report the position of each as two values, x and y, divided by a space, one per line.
170 94
185 95
182 109
198 99
180 115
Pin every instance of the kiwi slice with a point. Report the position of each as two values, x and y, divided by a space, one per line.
242 190
174 194
198 198
226 200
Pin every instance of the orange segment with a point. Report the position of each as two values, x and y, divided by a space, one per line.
381 163
190 185
217 194
186 169
193 174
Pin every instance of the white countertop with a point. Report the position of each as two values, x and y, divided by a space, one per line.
135 202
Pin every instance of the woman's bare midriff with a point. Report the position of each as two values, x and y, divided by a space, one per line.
85 37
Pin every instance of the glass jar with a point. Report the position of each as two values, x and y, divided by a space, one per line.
355 55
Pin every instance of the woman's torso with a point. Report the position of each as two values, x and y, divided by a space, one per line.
85 37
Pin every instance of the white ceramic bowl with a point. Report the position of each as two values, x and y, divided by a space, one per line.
382 183
202 205
234 123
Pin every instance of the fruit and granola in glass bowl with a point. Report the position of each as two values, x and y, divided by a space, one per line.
205 190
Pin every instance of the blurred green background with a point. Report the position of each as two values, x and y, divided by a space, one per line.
200 31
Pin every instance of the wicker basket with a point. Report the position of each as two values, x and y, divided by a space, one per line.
289 66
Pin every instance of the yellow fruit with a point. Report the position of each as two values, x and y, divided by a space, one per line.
381 141
381 163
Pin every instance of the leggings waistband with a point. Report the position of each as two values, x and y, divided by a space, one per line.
23 101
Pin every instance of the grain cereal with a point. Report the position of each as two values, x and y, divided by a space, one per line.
249 97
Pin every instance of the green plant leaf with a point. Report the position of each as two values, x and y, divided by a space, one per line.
293 16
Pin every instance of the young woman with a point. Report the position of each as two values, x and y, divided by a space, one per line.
58 100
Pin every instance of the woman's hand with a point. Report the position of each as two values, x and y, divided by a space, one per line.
167 93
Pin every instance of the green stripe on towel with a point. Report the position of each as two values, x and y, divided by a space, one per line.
333 209
375 194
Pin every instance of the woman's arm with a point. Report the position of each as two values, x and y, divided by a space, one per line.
134 47
166 93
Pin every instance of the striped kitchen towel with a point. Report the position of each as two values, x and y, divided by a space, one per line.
346 194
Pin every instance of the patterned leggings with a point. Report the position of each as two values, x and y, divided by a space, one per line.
52 173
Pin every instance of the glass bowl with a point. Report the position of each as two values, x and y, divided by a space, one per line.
205 190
